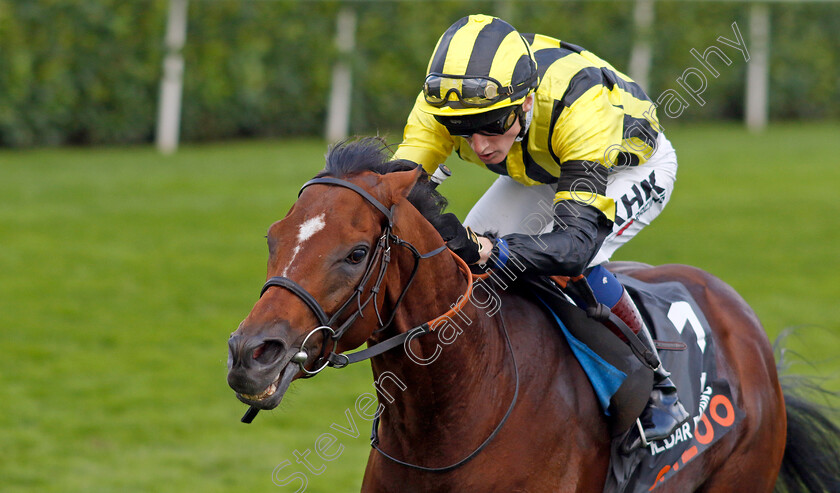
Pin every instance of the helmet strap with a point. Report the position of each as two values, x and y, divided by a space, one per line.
524 121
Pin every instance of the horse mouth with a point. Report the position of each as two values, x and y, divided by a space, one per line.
268 392
271 396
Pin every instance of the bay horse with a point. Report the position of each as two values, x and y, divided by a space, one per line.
494 401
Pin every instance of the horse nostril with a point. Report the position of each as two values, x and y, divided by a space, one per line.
259 351
268 352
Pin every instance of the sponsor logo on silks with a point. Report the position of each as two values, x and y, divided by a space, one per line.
639 201
716 418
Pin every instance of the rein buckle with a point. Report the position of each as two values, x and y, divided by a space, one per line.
342 363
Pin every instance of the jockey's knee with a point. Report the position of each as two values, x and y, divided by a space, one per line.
604 285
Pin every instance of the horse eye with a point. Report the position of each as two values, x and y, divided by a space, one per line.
357 255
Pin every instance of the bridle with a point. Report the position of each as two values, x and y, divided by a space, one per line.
377 266
382 256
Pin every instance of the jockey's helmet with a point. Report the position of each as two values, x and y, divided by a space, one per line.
480 64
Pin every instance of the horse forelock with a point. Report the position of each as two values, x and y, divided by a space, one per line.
350 158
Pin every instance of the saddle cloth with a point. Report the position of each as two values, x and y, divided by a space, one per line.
673 315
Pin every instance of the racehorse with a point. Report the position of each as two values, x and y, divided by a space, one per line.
494 399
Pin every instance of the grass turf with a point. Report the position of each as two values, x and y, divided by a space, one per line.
123 272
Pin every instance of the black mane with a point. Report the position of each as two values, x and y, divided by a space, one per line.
348 158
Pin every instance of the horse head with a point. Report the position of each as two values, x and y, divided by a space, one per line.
328 284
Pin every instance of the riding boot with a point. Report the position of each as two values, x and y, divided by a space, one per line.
664 412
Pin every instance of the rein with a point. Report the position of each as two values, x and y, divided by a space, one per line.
382 254
374 434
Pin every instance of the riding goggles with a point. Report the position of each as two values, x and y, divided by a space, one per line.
471 91
493 122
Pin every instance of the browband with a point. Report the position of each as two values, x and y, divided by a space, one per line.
346 184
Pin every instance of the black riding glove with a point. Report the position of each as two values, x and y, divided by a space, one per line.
461 240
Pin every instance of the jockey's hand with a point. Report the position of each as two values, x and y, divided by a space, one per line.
461 240
484 250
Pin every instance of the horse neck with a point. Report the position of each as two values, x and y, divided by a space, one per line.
448 373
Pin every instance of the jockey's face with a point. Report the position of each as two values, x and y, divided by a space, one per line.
493 149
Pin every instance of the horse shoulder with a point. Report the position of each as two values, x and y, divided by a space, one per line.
557 408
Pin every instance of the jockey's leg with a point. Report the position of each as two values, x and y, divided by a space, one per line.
664 412
640 194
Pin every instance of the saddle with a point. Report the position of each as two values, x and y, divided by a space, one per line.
620 378
623 382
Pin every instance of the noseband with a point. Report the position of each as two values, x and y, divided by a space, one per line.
378 263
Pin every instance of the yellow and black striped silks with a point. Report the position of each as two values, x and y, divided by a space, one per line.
585 113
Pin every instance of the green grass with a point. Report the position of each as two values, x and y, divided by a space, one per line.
123 272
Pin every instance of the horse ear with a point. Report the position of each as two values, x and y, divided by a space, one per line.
401 182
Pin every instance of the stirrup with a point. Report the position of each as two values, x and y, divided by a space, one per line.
641 430
634 439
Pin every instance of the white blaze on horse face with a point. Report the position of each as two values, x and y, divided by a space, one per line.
310 227
305 231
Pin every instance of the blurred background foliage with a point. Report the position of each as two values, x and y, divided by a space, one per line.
89 72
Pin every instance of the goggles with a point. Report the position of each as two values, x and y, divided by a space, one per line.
494 122
471 91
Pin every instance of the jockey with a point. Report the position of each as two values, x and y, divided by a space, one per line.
583 162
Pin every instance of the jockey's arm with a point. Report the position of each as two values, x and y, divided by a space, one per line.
579 230
583 214
582 220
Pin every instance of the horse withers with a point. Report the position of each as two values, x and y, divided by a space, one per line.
493 400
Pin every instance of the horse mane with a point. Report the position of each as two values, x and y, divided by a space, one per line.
372 154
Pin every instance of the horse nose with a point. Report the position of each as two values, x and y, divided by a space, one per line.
251 360
254 351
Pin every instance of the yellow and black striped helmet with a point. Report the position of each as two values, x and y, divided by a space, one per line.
480 63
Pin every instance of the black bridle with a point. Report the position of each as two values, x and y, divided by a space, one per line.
380 257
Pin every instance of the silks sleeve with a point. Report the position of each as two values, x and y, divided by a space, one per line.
587 128
579 231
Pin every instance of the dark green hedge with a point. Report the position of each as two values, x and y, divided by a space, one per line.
85 72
